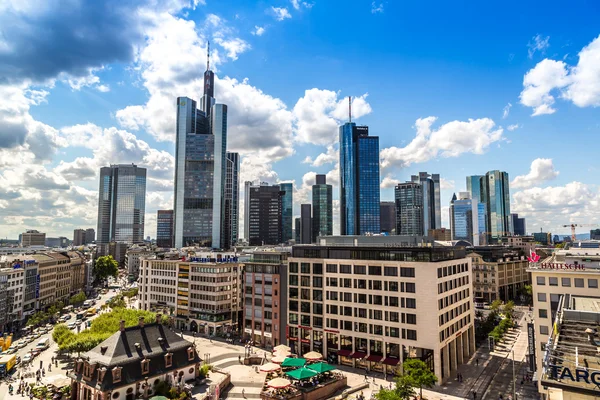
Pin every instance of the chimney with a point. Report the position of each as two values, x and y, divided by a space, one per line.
122 325
158 318
141 322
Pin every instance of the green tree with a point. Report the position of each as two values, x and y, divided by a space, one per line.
495 306
78 298
508 309
104 267
419 374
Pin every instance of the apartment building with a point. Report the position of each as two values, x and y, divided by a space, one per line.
372 306
77 272
499 272
265 306
132 259
525 243
203 292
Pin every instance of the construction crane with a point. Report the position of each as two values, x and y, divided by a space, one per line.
573 226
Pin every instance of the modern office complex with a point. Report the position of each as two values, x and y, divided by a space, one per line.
297 230
164 228
322 208
387 217
595 234
90 235
372 306
474 187
432 207
78 237
265 305
33 238
121 204
200 169
518 225
264 215
231 225
202 292
247 185
306 228
496 195
359 180
287 211
442 234
467 219
409 209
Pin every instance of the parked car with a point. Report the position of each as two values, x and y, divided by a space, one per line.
72 325
78 322
27 358
68 317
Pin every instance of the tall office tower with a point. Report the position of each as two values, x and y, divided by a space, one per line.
200 169
518 225
474 187
33 238
78 237
90 235
495 194
287 212
432 208
409 209
387 217
265 215
482 223
359 180
322 208
305 224
121 204
464 218
297 230
232 201
164 228
595 234
247 186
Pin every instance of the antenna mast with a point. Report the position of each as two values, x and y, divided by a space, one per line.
208 55
349 109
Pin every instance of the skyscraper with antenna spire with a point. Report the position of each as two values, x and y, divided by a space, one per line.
200 169
359 179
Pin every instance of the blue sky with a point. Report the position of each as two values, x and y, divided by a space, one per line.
456 88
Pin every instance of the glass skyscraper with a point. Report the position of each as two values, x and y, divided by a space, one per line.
322 208
359 180
230 234
164 228
496 195
474 187
121 204
432 208
265 215
409 209
287 211
467 219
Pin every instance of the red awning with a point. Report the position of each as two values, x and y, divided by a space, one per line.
374 358
358 354
391 361
344 353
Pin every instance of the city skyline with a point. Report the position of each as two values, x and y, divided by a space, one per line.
60 122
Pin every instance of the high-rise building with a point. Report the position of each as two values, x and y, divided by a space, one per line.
247 186
474 187
464 219
442 234
409 209
265 215
359 180
121 204
33 238
232 201
90 235
287 212
432 208
200 169
387 217
518 225
495 194
305 224
78 237
322 208
595 234
164 228
297 230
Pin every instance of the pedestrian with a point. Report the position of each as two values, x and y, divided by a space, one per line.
243 393
240 359
477 361
474 395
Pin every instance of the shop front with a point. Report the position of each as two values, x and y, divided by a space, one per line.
332 347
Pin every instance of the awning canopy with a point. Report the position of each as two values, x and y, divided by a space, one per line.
321 367
344 353
358 354
391 361
374 358
302 373
293 362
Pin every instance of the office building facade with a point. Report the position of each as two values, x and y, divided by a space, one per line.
265 215
90 235
247 186
33 238
164 228
78 237
287 211
121 204
409 209
495 194
306 229
231 226
297 230
519 226
432 208
322 208
359 180
474 187
387 217
466 215
371 307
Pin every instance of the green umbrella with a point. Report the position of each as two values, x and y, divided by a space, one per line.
321 367
293 362
158 398
301 373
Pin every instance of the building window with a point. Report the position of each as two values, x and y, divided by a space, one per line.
593 283
407 272
390 271
168 360
579 282
360 270
411 319
411 303
566 282
541 297
331 268
543 313
410 287
190 352
345 269
305 268
541 280
374 270
293 268
145 366
543 330
553 281
411 334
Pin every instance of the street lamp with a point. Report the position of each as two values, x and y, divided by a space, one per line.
514 380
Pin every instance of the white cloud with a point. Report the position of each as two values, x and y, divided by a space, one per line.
389 182
233 46
447 184
103 88
579 84
330 157
281 13
258 30
296 4
449 140
376 8
506 110
513 127
538 43
542 169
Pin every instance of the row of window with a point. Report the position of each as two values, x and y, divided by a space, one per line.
452 284
452 270
453 313
453 298
455 327
408 287
566 282
374 270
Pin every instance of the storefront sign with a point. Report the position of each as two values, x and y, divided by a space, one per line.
268 334
563 373
561 266
308 328
248 330
331 331
531 341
